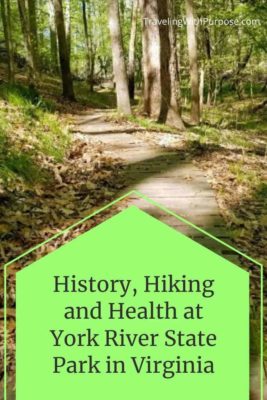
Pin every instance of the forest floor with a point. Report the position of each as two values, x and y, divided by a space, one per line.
162 169
186 176
60 162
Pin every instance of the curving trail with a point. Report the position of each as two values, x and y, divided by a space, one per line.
171 179
166 176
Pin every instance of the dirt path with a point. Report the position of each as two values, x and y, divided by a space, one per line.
165 176
170 179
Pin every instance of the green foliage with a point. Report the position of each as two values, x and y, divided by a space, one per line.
29 131
54 140
224 137
151 125
22 165
14 164
262 191
104 99
24 97
243 175
233 124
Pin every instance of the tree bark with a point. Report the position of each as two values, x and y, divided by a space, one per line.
159 55
235 73
92 47
119 67
86 34
201 87
210 79
174 112
5 13
11 44
53 37
151 59
176 10
68 25
90 53
165 56
25 27
131 65
33 32
64 55
193 62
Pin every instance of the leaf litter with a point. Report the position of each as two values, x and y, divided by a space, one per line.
64 192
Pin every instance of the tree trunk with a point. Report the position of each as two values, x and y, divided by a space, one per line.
201 87
131 66
25 27
165 55
5 12
238 83
86 34
53 37
176 10
151 60
64 55
90 53
159 55
235 73
193 62
92 48
241 65
11 44
119 67
174 112
33 32
68 25
210 78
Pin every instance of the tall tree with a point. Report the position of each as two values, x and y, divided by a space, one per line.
53 37
193 61
131 65
26 30
160 93
64 56
33 31
208 48
119 67
151 59
68 24
90 51
201 87
6 19
174 112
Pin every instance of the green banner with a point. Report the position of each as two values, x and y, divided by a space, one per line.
132 309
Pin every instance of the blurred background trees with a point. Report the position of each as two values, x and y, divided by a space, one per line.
168 66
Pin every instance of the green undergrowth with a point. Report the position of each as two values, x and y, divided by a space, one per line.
143 122
30 130
151 125
224 137
243 175
102 98
233 124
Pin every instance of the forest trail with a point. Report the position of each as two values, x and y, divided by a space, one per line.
171 179
166 176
